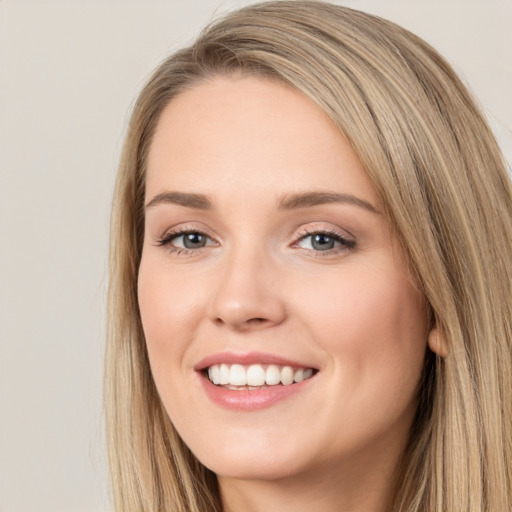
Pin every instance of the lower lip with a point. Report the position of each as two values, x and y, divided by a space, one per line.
250 400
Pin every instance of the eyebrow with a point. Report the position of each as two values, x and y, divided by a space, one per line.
308 199
197 201
287 202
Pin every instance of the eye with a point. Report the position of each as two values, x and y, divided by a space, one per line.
186 240
190 240
325 241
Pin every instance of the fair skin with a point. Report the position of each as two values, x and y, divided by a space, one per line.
266 245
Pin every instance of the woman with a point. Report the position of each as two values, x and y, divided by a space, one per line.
310 294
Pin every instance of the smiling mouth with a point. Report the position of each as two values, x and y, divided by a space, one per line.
255 376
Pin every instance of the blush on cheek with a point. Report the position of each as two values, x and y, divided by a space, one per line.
381 318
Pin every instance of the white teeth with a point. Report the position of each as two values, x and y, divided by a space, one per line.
237 375
213 373
256 376
287 375
223 374
272 375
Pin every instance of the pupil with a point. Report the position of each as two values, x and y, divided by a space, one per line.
322 243
193 240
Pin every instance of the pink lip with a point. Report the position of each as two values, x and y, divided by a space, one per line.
247 359
245 400
249 400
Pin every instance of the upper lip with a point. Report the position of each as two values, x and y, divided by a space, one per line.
247 359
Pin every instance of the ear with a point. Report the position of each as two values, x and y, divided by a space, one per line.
437 343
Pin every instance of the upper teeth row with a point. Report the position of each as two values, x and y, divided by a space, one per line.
256 375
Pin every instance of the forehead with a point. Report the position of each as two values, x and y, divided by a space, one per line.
250 133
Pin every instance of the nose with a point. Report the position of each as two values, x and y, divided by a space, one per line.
247 295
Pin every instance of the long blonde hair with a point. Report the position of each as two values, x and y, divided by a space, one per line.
441 177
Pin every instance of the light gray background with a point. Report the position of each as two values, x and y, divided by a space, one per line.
69 72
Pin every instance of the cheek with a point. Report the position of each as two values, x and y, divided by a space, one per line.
168 311
372 323
373 326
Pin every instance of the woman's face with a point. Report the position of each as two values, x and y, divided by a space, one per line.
267 257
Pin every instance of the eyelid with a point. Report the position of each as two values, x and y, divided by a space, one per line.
348 243
314 228
170 234
184 227
345 241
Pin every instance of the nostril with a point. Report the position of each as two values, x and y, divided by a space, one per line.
256 320
251 322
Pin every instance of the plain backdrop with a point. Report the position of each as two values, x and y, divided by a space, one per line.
69 73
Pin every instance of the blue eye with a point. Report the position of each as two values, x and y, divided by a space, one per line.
318 242
321 241
191 240
186 240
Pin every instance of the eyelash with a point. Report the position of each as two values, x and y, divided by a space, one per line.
166 240
345 244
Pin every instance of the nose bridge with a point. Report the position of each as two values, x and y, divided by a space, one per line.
246 295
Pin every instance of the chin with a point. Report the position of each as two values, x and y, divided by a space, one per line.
255 460
261 468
